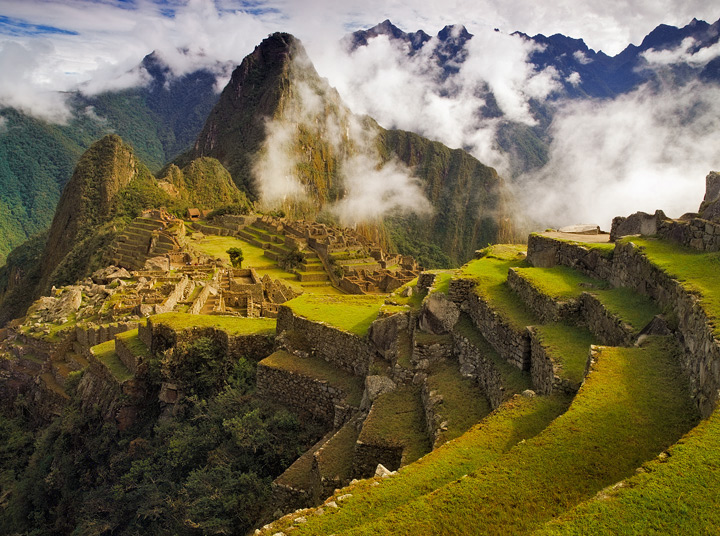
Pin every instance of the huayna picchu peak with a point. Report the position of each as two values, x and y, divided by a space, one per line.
261 312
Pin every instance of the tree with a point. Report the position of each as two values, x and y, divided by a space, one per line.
236 257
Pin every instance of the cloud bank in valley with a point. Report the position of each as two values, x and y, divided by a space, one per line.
642 151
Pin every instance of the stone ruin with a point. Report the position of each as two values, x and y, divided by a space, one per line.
699 230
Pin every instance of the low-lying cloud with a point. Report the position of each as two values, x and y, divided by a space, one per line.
370 188
640 151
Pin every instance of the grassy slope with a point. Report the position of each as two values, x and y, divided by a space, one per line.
699 272
463 405
514 380
568 346
632 308
559 282
318 369
105 352
233 325
397 419
134 344
490 274
516 420
673 495
631 407
353 314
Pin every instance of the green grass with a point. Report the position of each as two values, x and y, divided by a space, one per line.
675 495
336 458
105 353
319 369
568 347
233 325
559 282
463 404
404 355
397 419
353 314
414 301
632 406
698 272
632 308
490 274
427 339
217 246
513 379
516 420
605 249
299 474
442 281
133 343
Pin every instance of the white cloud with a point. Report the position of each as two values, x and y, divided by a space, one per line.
581 57
684 53
641 151
574 78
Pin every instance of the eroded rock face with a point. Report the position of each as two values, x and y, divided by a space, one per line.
710 206
439 314
639 223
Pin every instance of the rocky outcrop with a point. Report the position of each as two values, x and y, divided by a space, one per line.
438 314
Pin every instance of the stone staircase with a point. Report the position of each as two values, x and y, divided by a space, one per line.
142 239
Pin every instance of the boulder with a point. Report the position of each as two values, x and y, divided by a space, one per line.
374 387
160 263
108 274
438 314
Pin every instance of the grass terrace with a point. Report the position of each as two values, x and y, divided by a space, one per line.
318 369
350 313
559 282
105 353
336 458
414 301
490 274
516 420
463 405
442 281
299 474
632 406
233 325
674 494
568 346
396 419
514 380
605 249
699 272
632 308
133 343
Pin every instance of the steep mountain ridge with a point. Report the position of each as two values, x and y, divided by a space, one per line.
288 139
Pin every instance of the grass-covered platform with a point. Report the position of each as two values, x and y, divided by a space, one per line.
568 347
317 369
105 353
232 325
350 313
632 406
516 420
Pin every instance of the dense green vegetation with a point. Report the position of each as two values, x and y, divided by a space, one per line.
205 471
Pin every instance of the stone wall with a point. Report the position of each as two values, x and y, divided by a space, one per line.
703 235
174 297
434 420
429 350
476 365
200 300
345 350
302 393
159 337
701 356
544 371
126 356
511 343
546 308
545 252
607 328
367 457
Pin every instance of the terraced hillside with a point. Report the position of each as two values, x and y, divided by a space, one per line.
541 459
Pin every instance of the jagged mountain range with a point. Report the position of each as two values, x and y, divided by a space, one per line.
164 117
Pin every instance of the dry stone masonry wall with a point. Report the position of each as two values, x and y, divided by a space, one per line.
546 308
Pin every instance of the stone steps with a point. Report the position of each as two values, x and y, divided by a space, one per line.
312 276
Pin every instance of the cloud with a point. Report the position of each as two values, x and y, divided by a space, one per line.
641 151
415 94
22 84
684 53
371 188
